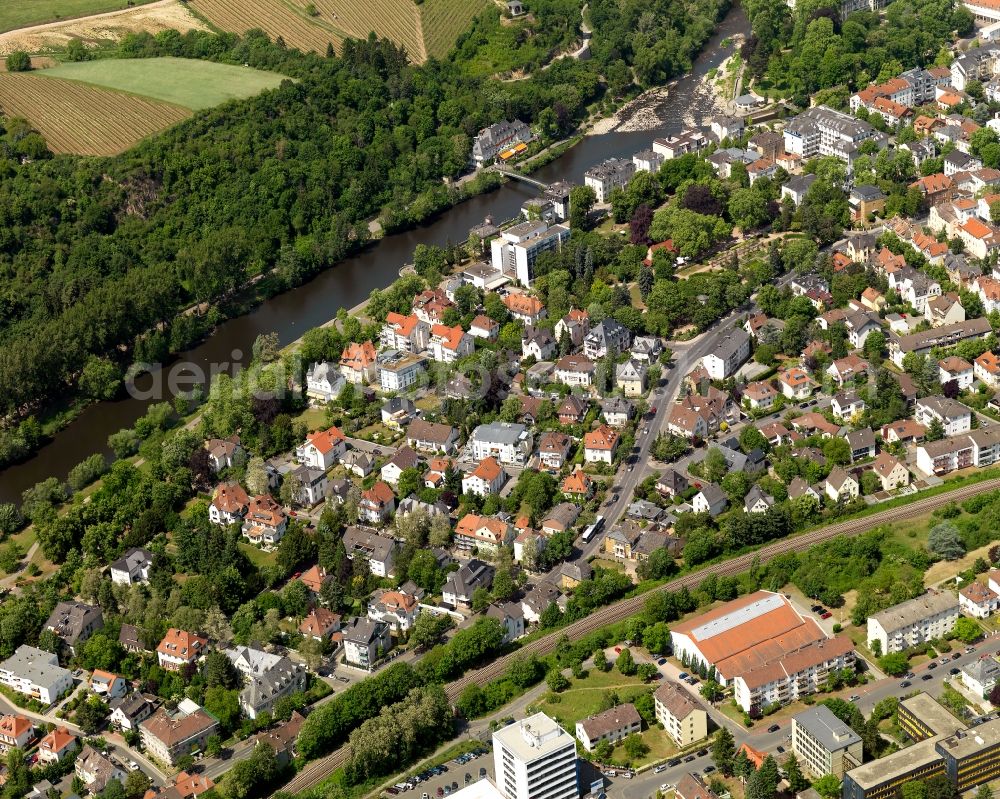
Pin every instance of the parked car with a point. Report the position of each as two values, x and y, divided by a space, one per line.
954 670
660 768
956 656
674 762
774 728
708 769
927 677
701 752
661 661
905 684
855 698
781 749
392 790
689 758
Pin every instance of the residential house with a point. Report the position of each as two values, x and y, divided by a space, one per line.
74 623
129 711
646 348
322 449
224 453
324 383
614 173
359 362
365 642
402 459
320 624
800 488
432 437
986 368
578 485
485 328
377 504
847 405
378 550
104 683
537 343
525 308
265 523
980 676
180 648
795 383
572 410
575 370
511 616
399 609
553 449
560 518
508 442
913 622
711 499
891 472
487 478
954 417
430 305
608 337
847 368
796 186
482 533
132 568
672 483
460 585
957 369
630 377
56 746
978 600
612 725
841 486
359 463
130 639
169 737
617 411
267 678
756 501
398 370
229 504
405 333
945 309
862 444
16 732
600 444
448 344
96 770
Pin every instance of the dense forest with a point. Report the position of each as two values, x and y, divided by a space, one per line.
810 48
95 253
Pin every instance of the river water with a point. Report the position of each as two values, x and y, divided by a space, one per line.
350 282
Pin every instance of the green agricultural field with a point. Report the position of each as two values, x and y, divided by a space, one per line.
186 82
23 13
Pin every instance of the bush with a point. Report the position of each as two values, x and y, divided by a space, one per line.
86 472
18 61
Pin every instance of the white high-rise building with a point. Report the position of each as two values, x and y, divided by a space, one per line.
535 759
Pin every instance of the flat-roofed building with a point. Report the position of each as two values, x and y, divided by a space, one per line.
535 758
913 622
884 778
824 743
612 725
971 757
922 718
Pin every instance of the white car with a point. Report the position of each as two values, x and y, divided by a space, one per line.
667 786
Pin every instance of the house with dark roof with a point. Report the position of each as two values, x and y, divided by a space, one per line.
74 622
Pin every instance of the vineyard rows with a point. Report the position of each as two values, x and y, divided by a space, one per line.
444 20
87 120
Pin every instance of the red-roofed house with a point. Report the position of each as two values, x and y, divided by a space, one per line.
357 362
448 344
487 478
484 327
229 504
406 333
987 369
56 745
482 532
934 188
377 503
980 238
320 624
578 484
525 308
265 522
322 449
599 445
430 305
179 648
15 732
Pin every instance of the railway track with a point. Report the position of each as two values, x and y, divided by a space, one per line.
316 771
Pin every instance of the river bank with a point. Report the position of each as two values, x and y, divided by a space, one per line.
316 302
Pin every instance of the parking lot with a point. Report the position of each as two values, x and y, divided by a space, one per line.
447 778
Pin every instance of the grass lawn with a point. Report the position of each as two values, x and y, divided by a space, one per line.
313 419
22 13
257 556
583 698
186 82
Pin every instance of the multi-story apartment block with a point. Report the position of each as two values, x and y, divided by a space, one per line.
823 743
615 173
516 250
681 715
508 442
913 622
823 131
535 758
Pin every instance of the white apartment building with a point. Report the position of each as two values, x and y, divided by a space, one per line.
913 622
612 725
397 370
615 173
953 415
535 758
507 442
36 674
729 354
823 131
516 250
823 743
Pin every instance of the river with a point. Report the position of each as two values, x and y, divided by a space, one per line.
350 282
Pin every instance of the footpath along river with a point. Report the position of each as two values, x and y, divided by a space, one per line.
344 285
